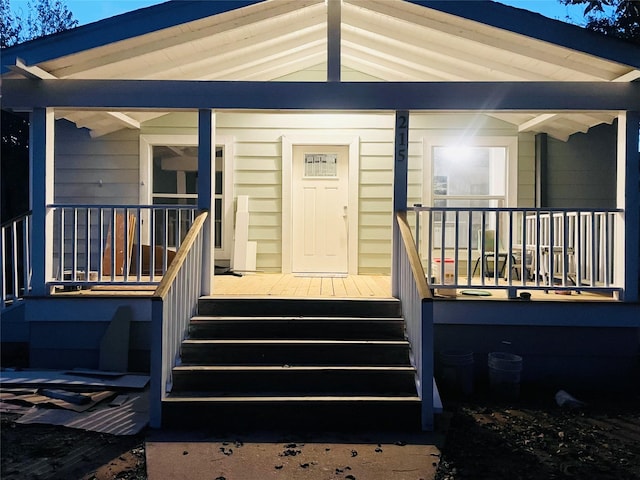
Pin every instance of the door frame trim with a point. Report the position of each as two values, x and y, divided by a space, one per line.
288 142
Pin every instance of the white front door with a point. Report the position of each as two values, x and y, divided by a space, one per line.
320 217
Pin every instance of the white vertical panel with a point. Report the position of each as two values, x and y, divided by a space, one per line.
334 224
309 221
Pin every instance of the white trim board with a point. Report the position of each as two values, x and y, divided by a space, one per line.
288 141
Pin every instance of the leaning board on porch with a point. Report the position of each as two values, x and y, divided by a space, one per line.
119 245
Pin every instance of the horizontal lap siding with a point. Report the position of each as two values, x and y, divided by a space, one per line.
102 170
581 173
258 173
375 202
94 171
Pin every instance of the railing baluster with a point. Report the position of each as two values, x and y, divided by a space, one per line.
112 246
496 251
469 244
100 242
524 275
509 258
456 242
578 250
166 240
3 281
594 259
443 245
483 246
139 245
152 241
26 253
551 245
605 250
417 212
565 249
87 268
14 244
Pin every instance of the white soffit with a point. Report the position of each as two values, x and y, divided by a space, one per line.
389 40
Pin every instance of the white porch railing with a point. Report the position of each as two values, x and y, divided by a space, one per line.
116 244
175 301
414 294
545 249
15 265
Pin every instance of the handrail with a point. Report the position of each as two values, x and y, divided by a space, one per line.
414 258
412 288
181 255
173 303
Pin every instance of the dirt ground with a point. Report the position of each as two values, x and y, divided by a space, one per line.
53 452
532 438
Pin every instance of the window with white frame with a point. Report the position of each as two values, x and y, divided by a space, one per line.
170 165
477 173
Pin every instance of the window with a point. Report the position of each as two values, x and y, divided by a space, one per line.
466 176
478 174
170 163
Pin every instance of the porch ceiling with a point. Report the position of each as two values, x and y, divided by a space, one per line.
385 40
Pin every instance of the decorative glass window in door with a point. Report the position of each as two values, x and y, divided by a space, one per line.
320 165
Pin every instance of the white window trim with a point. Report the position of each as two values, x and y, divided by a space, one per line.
147 142
288 142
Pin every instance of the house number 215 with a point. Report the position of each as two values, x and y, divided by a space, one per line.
402 135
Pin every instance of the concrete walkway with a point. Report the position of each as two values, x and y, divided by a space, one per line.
289 456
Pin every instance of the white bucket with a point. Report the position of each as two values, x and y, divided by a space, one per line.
449 275
504 374
456 371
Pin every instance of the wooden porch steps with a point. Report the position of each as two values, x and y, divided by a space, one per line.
295 363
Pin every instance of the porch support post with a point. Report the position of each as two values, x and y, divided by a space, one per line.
206 192
400 175
627 228
41 160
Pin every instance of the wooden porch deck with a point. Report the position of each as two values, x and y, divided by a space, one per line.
359 286
288 285
352 286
